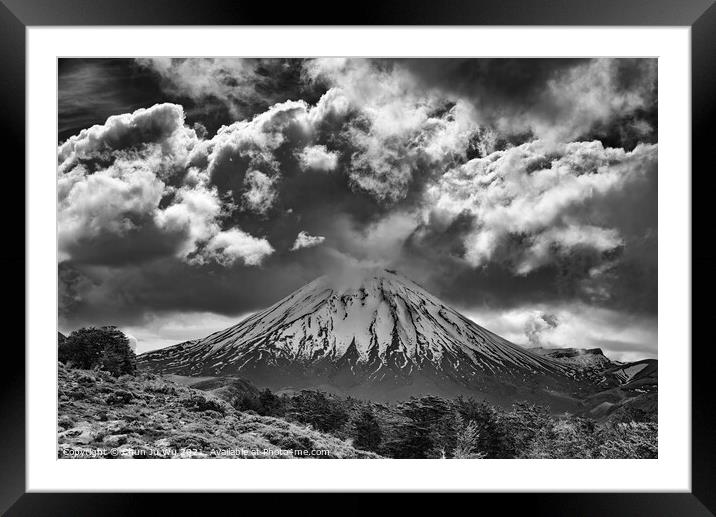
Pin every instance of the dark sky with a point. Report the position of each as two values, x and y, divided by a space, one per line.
521 191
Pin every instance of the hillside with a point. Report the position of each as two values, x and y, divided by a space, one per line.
150 416
631 390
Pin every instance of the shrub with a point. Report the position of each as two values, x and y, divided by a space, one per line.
290 440
197 402
270 403
119 397
105 348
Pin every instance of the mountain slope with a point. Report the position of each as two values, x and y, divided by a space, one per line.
368 332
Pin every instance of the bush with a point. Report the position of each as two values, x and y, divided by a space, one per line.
105 348
197 402
119 397
270 403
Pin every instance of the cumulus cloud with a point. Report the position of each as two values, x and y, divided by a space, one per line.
318 157
127 193
192 215
248 157
398 133
228 246
532 203
113 200
157 134
305 240
261 194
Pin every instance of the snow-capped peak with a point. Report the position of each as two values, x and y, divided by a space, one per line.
367 324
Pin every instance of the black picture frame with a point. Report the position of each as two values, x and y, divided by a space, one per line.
700 15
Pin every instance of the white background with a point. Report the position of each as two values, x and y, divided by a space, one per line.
670 472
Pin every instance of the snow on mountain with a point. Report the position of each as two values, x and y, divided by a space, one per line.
362 328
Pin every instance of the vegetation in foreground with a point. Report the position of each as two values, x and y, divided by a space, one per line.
145 416
106 405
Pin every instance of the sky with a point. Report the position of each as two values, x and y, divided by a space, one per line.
523 192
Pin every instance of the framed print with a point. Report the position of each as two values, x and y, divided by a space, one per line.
446 250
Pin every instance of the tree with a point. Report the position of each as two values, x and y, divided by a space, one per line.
525 422
628 440
494 432
366 431
270 404
467 439
106 348
422 434
315 408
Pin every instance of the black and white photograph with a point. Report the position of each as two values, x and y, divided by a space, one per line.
373 258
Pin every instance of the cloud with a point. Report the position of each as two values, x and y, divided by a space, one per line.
158 130
538 201
243 87
228 246
305 240
399 135
258 149
537 325
100 214
165 329
318 157
261 194
594 94
192 215
379 243
552 99
127 193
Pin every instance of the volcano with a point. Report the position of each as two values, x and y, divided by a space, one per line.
376 334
